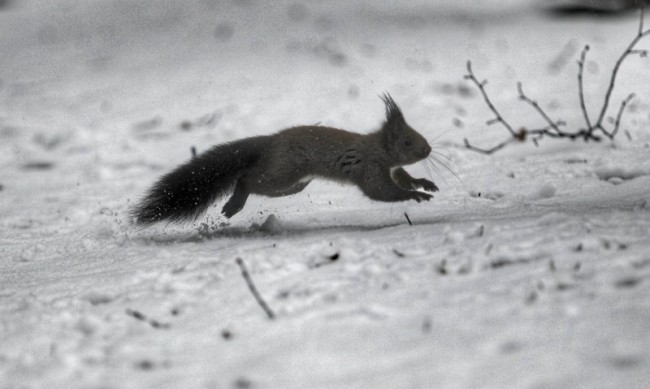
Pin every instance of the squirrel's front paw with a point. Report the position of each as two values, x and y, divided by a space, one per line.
425 184
420 196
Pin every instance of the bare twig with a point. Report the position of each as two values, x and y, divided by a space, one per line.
551 124
627 52
142 317
408 219
581 67
193 151
253 289
624 104
498 118
481 86
641 19
490 150
553 128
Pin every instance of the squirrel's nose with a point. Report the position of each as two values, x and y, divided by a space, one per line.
426 150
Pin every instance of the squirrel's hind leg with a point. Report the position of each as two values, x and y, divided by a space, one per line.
236 201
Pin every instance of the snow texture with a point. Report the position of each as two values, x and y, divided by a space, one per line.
529 269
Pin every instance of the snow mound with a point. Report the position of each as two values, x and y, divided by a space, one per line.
546 191
618 174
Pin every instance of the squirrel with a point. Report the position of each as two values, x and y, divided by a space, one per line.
285 163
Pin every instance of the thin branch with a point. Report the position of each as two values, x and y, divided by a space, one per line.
581 66
481 86
627 52
142 317
253 289
490 150
408 219
641 19
624 103
551 124
546 131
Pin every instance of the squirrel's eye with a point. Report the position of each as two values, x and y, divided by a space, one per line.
408 143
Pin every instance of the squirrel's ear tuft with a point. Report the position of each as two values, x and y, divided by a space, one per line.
392 110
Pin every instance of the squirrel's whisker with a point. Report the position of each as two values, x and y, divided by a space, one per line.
433 160
427 169
433 168
441 155
433 140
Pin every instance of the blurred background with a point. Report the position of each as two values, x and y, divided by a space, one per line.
119 76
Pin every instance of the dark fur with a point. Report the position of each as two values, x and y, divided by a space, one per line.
187 191
284 163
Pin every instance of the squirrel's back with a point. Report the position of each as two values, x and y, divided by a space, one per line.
316 150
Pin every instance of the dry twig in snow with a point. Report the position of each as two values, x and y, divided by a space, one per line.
253 289
408 219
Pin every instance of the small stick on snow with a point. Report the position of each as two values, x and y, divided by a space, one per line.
142 317
408 219
253 289
193 150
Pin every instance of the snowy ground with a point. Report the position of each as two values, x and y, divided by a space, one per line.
529 270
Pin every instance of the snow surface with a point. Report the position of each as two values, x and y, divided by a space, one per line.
530 269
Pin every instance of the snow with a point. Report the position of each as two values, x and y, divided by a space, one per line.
529 269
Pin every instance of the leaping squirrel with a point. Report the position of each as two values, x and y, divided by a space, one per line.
285 163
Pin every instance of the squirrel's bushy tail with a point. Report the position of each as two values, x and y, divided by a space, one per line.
186 192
